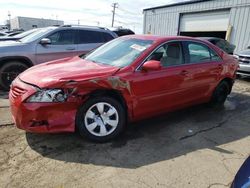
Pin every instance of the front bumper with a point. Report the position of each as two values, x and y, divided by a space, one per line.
40 117
244 66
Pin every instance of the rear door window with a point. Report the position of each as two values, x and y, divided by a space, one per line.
200 53
87 36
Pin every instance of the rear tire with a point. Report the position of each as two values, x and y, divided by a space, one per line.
220 94
101 119
9 71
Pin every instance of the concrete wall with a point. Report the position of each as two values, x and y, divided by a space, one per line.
165 20
26 23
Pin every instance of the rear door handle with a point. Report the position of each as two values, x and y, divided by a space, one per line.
70 48
184 73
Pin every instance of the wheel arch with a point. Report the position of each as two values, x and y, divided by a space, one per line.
22 59
230 82
116 95
111 93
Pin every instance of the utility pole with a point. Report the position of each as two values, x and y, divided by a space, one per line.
9 15
57 20
114 5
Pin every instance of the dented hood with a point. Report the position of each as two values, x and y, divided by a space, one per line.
67 69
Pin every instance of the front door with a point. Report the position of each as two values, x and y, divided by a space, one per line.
161 90
63 44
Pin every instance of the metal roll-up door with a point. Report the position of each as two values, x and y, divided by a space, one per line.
205 21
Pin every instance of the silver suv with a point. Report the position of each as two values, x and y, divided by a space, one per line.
48 44
244 62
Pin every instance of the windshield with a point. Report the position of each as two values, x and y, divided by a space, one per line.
25 33
120 52
36 35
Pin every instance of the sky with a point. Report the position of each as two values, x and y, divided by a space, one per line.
85 12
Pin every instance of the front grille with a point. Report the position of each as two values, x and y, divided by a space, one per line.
244 60
16 91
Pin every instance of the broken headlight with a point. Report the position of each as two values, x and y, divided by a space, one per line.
48 95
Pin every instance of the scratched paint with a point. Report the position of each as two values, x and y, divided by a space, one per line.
117 83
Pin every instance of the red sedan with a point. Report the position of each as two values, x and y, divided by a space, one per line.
127 79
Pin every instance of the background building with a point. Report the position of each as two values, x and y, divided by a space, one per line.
27 23
229 19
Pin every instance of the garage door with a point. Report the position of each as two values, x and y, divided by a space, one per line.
205 21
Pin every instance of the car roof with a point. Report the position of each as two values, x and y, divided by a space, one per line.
90 28
84 27
157 38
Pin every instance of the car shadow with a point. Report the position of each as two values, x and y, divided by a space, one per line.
4 94
154 140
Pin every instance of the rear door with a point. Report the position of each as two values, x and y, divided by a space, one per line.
63 44
203 69
89 40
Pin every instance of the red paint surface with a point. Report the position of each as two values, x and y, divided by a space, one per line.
149 93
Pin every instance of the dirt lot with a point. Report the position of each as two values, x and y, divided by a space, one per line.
196 147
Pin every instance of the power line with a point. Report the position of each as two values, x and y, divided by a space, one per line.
114 5
126 11
127 19
128 23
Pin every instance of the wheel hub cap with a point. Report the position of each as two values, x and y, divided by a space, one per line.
101 119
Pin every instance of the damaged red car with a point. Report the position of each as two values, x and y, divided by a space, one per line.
126 79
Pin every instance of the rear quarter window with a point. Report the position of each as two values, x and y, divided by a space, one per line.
107 37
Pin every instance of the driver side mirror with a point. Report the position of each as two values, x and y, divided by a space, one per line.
151 65
248 47
45 41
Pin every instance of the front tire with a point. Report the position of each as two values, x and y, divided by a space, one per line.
220 94
101 119
9 71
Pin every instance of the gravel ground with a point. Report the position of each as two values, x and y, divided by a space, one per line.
195 147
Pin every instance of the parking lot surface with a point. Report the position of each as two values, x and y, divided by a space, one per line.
195 147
